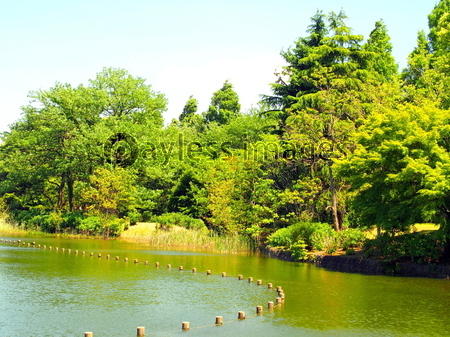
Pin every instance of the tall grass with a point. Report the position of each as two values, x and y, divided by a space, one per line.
6 227
185 238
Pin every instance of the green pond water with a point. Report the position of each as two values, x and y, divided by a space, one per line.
54 293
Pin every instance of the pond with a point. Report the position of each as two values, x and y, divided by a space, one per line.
56 293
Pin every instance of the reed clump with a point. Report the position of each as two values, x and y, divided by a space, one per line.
186 238
6 227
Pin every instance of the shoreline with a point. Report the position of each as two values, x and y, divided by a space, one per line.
340 263
358 265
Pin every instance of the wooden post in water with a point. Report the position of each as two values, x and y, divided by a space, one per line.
125 259
180 268
169 266
56 248
136 261
117 258
240 277
250 279
208 272
219 320
83 253
259 309
76 252
69 251
63 249
270 285
108 257
99 255
279 300
91 254
140 331
224 274
146 263
259 282
270 305
88 334
185 325
194 270
241 314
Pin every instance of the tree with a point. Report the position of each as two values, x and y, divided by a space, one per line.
379 42
399 171
419 61
435 23
52 143
48 156
331 83
290 82
190 108
127 96
110 194
224 105
428 65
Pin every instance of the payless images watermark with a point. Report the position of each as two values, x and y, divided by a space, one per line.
124 150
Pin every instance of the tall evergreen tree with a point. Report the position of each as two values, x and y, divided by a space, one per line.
330 83
435 24
189 108
379 42
419 61
290 82
428 64
224 105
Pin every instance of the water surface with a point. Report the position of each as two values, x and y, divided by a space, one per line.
54 293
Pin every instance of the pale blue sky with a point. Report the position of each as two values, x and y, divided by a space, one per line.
181 47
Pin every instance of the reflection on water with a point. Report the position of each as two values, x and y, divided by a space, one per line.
53 293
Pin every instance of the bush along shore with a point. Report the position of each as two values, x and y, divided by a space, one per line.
421 253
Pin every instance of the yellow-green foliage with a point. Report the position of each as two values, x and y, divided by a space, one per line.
185 238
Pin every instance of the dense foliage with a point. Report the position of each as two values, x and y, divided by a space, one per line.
345 143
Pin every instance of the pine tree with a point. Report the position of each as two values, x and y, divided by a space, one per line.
224 105
190 108
379 42
330 83
419 61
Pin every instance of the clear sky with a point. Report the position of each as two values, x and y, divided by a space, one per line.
181 47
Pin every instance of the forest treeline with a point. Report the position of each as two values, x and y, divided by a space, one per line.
346 141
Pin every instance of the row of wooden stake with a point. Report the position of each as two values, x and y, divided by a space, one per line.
184 325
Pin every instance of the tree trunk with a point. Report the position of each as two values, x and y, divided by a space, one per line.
60 202
70 184
334 207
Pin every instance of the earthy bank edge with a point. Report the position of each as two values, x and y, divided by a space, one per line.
360 265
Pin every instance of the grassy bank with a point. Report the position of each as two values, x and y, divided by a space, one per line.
178 237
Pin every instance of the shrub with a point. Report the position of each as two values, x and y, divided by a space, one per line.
281 238
298 250
414 247
116 226
350 238
72 220
317 235
91 225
